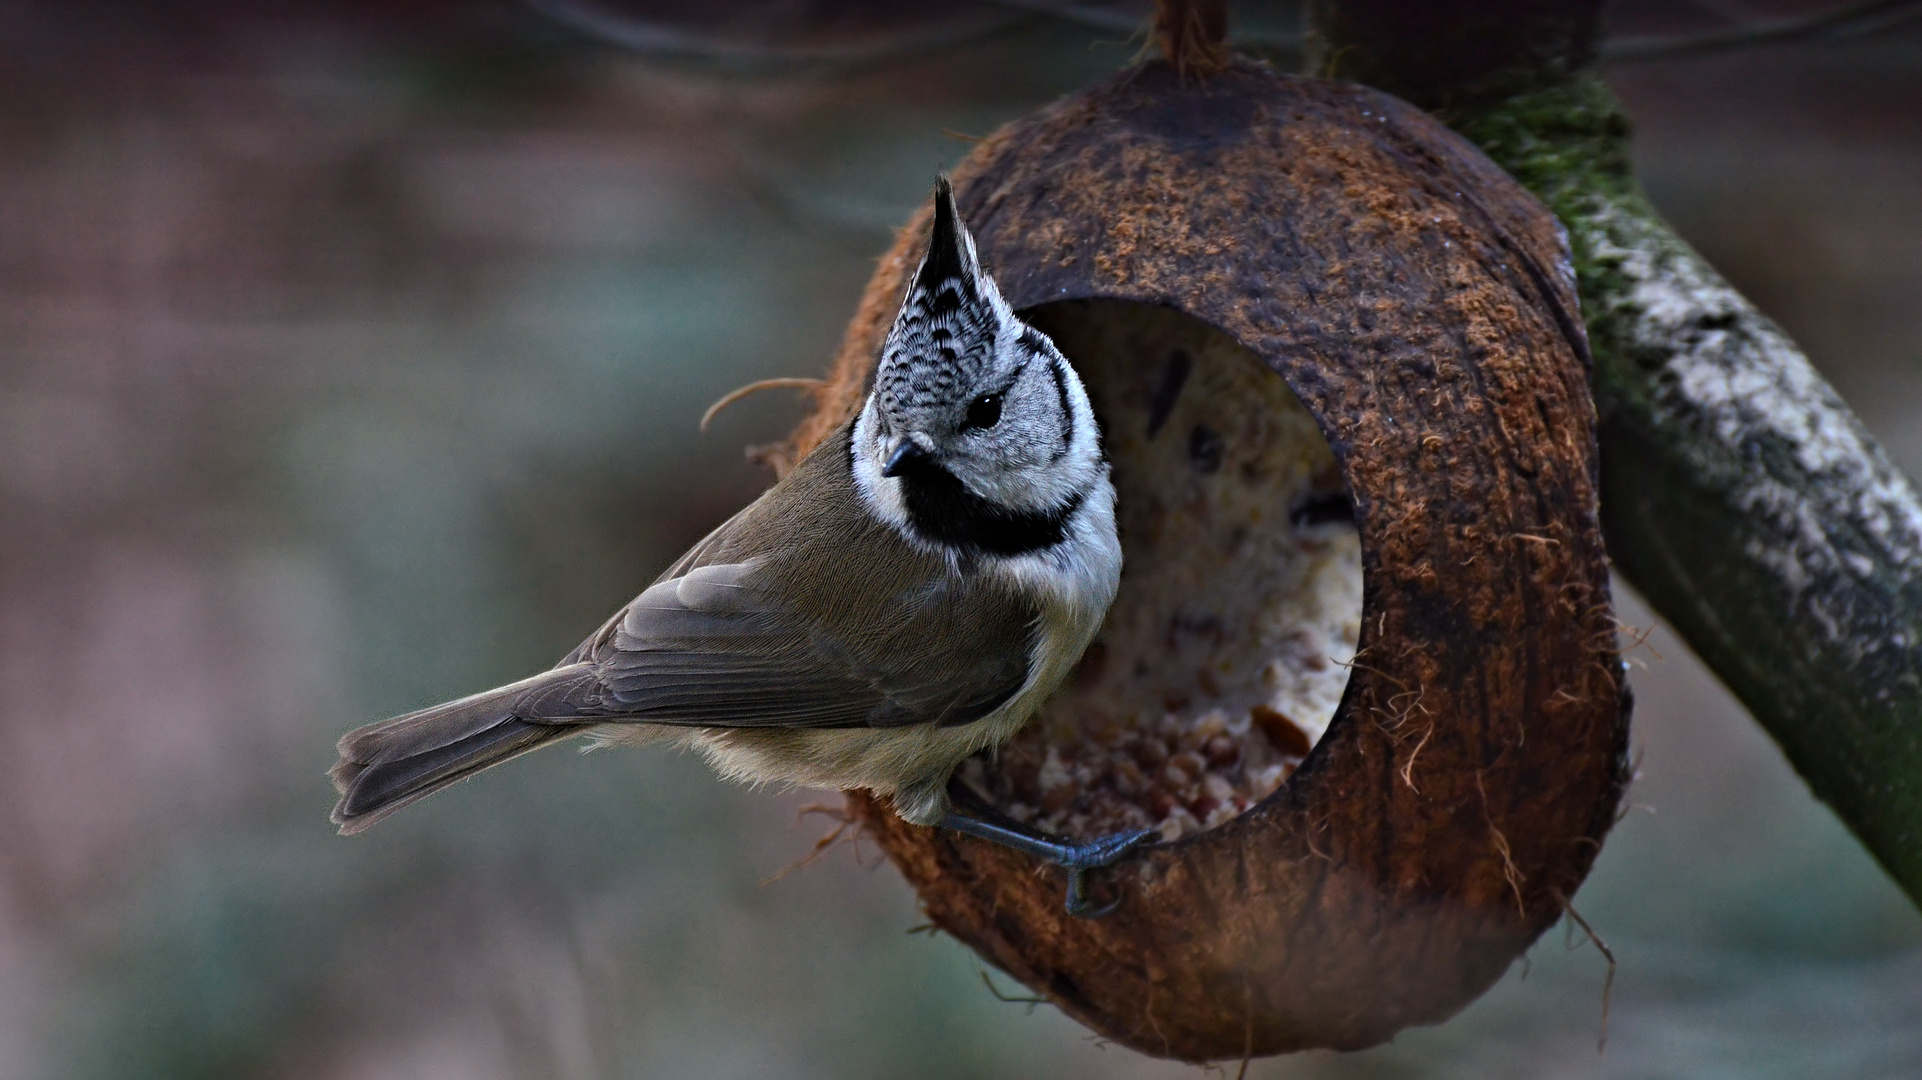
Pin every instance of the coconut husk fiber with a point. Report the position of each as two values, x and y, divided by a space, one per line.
1419 307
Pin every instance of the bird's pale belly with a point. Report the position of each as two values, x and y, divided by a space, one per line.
883 760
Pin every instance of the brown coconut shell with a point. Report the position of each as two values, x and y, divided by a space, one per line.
1421 305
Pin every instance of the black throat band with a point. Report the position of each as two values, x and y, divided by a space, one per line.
943 510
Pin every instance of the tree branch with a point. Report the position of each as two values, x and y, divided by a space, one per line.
1842 21
666 42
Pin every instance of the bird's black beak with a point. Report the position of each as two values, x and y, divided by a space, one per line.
905 456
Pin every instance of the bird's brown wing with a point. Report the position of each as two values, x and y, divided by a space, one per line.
711 648
802 610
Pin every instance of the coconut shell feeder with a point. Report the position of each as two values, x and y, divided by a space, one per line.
1362 668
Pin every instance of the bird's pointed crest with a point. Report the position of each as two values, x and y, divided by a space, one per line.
950 248
949 320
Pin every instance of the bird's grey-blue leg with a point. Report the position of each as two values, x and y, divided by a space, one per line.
968 813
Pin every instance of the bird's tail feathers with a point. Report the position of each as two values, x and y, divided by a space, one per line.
394 763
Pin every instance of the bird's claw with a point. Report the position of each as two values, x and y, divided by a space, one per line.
1094 854
969 815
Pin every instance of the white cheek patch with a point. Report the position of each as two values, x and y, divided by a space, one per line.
881 494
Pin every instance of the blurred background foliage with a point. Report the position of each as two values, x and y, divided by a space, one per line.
350 359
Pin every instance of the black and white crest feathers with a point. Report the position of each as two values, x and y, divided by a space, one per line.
944 337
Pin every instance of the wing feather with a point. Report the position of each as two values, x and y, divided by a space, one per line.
713 649
890 637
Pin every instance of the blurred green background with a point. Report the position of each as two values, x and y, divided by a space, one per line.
350 360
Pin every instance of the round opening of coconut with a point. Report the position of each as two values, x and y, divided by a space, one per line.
1206 690
1361 670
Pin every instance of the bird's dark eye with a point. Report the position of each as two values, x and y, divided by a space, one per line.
984 411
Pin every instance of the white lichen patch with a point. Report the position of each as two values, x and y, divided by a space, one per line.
1826 502
1223 658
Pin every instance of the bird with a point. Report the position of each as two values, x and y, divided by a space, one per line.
906 597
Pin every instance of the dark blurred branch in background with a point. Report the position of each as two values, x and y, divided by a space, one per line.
1843 21
1739 493
666 40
